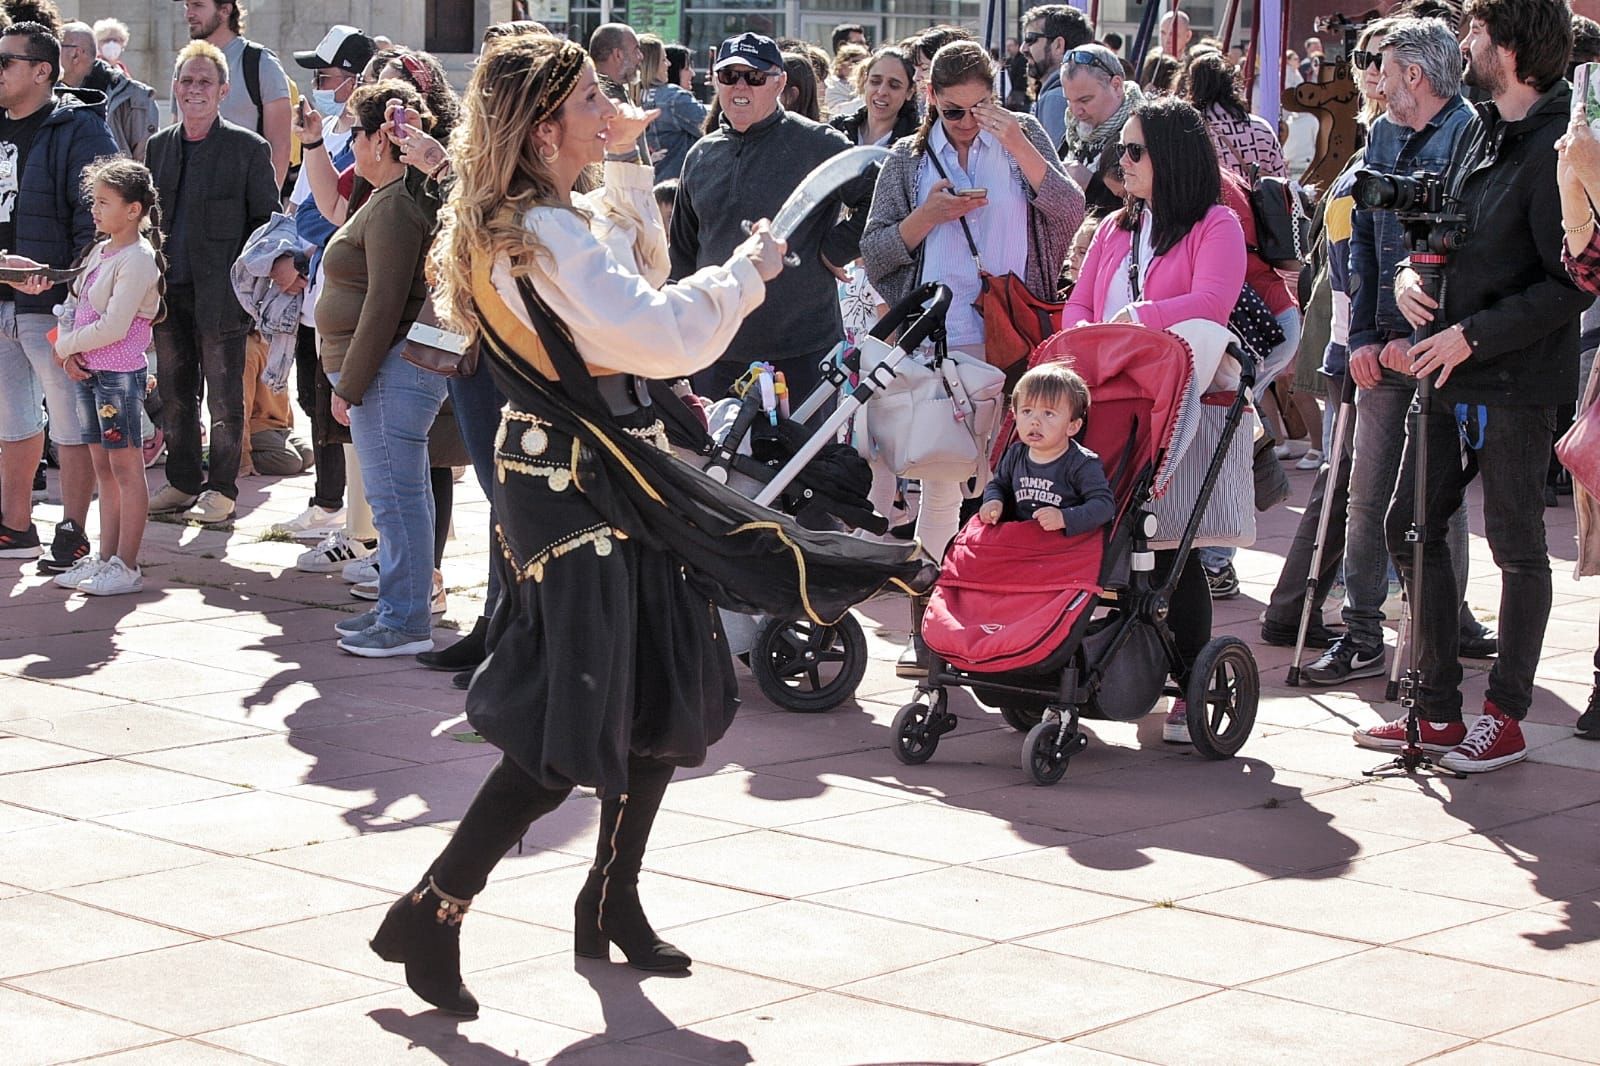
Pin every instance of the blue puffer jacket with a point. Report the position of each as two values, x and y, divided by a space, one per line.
53 222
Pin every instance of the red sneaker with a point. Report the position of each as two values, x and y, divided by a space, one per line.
1495 740
1434 737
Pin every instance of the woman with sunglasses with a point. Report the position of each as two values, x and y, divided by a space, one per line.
1246 144
1172 254
976 181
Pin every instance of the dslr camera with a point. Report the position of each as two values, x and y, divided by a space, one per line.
1419 194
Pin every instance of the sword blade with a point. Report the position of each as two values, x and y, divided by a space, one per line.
823 181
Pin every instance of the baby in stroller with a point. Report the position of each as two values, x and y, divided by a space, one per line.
1045 475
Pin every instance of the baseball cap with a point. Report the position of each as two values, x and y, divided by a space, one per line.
750 49
344 48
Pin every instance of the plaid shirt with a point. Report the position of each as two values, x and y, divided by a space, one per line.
1584 268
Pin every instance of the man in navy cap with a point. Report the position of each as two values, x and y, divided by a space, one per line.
744 170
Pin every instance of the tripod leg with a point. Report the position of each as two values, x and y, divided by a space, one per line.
1391 691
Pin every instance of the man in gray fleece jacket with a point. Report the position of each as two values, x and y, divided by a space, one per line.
743 171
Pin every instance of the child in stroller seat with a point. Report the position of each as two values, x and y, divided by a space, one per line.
1045 474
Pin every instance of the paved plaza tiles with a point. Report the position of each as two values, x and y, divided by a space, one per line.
205 808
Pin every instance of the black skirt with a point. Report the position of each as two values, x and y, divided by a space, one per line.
599 646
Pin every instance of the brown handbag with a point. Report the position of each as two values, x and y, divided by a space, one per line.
431 347
1015 321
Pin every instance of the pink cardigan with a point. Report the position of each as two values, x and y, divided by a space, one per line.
1199 277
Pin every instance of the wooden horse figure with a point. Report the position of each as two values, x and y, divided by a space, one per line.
1334 100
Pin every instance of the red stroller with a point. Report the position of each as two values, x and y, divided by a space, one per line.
1051 629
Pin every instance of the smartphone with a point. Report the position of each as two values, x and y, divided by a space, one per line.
305 111
397 125
974 193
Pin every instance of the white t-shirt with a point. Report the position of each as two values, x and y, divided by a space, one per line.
1119 293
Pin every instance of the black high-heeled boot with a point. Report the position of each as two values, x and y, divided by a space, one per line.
464 654
607 910
423 930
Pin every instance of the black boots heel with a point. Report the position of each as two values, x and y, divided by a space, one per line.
423 930
607 911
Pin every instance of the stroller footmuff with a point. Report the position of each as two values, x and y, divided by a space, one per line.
1052 629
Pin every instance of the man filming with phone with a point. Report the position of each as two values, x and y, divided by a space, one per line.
1501 353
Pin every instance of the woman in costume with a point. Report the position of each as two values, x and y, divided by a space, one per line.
606 663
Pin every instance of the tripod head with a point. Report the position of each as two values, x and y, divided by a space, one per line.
1423 205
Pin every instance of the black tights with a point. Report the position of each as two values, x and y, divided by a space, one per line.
441 482
1190 614
507 803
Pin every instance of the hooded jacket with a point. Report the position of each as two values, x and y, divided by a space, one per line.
732 177
54 226
1506 286
130 106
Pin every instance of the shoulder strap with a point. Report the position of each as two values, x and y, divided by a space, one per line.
252 80
933 157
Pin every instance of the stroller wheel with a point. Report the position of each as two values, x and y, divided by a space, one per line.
805 667
917 729
1224 689
1045 758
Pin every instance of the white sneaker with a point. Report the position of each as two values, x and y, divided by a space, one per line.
337 550
1311 460
365 590
212 507
113 579
79 572
1291 449
314 523
362 570
380 642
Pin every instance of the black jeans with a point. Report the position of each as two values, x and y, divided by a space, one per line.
1510 448
309 381
1189 616
191 366
1288 596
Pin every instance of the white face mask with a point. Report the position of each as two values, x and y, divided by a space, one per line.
325 103
111 50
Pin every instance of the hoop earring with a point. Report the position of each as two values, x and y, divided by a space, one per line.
551 158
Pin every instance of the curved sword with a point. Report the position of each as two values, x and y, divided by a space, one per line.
816 187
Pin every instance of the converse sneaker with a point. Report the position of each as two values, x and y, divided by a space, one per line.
335 551
381 642
79 572
20 543
1224 583
210 508
1435 737
113 579
314 523
1495 740
362 570
66 548
365 620
1345 661
1175 730
169 500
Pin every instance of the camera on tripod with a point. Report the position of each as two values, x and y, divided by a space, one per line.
1422 203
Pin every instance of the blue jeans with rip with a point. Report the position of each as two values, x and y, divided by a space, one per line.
390 429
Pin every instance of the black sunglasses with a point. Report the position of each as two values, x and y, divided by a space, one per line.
1031 36
1132 149
751 77
8 58
1084 58
1361 59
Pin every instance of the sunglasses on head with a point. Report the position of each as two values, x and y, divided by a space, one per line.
750 76
1132 149
1085 58
1361 59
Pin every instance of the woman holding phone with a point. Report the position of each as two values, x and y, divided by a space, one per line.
976 184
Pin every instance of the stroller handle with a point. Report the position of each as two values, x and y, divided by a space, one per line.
931 300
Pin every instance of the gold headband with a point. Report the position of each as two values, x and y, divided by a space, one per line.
565 69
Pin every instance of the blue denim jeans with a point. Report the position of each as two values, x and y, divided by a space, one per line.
1510 448
1376 477
390 428
31 379
110 408
477 402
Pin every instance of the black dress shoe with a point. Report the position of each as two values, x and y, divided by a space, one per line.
1318 634
1588 726
464 654
1481 645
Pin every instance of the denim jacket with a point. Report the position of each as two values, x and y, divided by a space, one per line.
1377 242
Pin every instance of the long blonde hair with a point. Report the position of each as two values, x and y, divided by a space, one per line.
519 83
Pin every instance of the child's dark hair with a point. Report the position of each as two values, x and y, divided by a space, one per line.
667 192
1051 384
133 182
